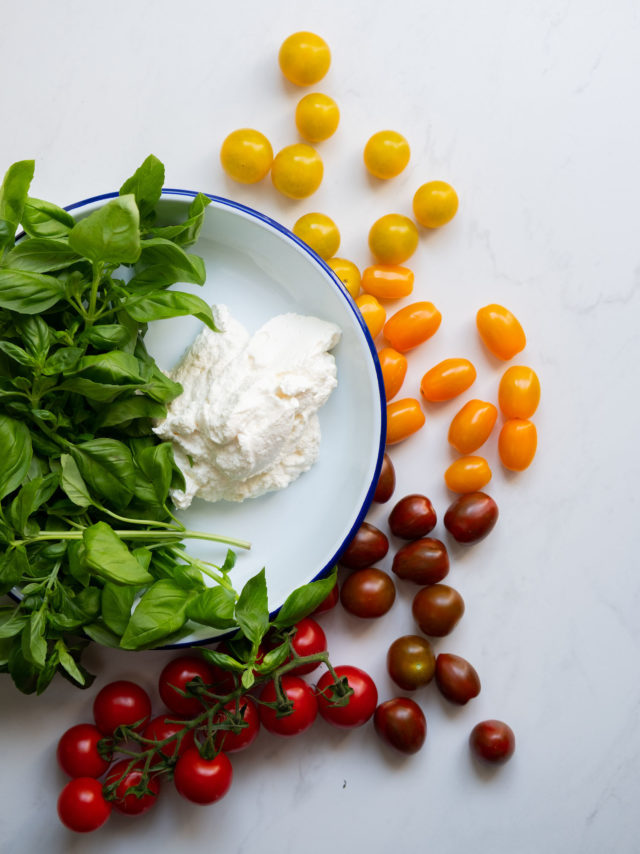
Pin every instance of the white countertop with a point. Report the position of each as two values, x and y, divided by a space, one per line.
531 111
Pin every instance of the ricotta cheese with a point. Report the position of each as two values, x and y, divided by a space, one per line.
246 422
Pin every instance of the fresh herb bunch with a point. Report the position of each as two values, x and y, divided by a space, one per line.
86 523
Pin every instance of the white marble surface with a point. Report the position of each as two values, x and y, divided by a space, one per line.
531 110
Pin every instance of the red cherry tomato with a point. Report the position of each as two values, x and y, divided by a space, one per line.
82 806
78 754
202 781
402 724
303 714
493 741
161 728
245 710
309 639
126 801
361 704
176 676
121 703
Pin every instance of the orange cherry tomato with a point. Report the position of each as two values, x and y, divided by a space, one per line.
500 331
404 417
447 379
412 325
472 426
372 313
468 474
394 368
519 392
517 443
387 281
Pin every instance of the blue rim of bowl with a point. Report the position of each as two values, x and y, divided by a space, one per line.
272 223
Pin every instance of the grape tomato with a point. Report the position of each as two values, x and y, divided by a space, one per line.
404 417
467 474
519 392
394 369
387 281
517 443
472 426
447 379
412 325
500 331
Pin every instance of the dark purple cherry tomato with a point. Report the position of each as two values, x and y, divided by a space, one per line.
412 517
368 546
410 662
456 678
423 561
386 481
437 609
493 741
401 723
471 517
368 593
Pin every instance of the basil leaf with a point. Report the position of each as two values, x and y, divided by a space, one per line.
63 360
109 234
72 483
160 612
22 671
213 607
99 633
77 557
223 660
166 263
28 293
102 392
15 453
107 336
17 354
34 645
41 255
11 622
274 658
114 367
36 336
157 464
123 411
30 498
187 232
160 388
68 663
304 600
252 611
159 305
146 186
13 195
117 602
47 672
44 219
107 467
109 557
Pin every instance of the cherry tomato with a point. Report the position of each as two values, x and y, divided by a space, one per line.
386 481
519 392
386 154
447 379
412 325
423 561
456 678
471 517
304 58
517 443
176 676
309 639
234 742
368 546
387 281
317 117
246 155
160 728
393 239
435 204
404 417
126 801
319 232
297 171
372 313
78 754
493 741
368 593
200 780
472 426
348 274
500 331
394 368
303 714
121 703
410 662
330 602
401 723
437 609
82 806
412 517
361 705
467 474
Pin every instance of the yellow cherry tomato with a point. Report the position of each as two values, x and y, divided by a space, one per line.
387 281
348 274
517 443
297 171
317 117
435 203
412 325
386 154
319 232
500 331
246 155
393 238
472 425
447 379
372 313
394 369
519 392
304 58
404 417
468 474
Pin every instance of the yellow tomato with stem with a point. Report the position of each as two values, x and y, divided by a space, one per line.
348 274
319 232
394 369
297 171
304 58
435 204
404 417
519 392
372 313
246 155
317 117
468 474
517 443
472 425
500 331
393 239
386 154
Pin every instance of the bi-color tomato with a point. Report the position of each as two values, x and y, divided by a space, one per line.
387 281
82 806
517 443
519 392
121 703
472 426
447 379
467 474
361 704
412 325
386 154
78 754
200 780
393 239
404 417
500 331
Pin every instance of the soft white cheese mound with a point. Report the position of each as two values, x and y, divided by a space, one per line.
246 422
